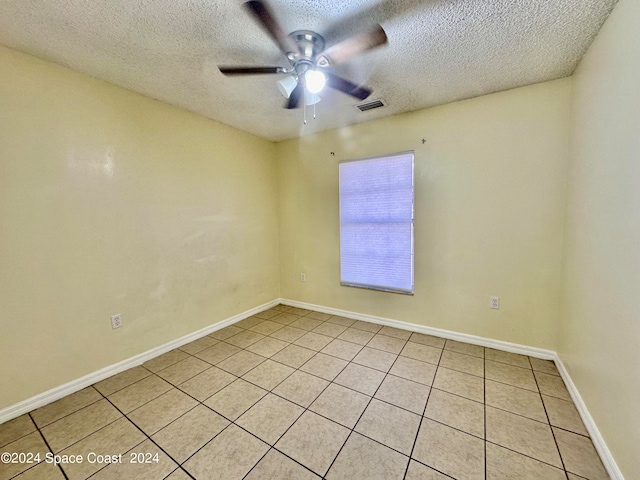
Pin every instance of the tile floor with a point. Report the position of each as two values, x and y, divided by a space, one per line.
296 394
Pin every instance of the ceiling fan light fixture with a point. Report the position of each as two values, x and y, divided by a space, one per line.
314 81
286 85
310 98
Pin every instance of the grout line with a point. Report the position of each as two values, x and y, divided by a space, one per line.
484 409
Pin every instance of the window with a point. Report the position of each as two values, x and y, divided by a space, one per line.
376 223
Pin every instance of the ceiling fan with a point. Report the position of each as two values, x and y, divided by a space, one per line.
309 61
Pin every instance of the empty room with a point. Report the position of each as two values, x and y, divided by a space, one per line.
276 239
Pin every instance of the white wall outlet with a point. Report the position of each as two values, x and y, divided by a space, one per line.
116 321
303 277
494 302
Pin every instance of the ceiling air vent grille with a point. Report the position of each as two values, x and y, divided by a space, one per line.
363 107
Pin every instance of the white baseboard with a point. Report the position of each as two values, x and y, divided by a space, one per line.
596 437
438 332
57 393
598 442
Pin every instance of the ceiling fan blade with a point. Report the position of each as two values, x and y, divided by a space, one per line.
250 70
265 18
352 46
346 86
294 98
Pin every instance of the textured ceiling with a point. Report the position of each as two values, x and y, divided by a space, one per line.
439 51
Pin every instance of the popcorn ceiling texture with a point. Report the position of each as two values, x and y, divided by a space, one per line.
439 51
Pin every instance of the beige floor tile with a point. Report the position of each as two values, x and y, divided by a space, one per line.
165 360
244 339
395 332
225 333
313 441
313 341
199 344
450 451
403 393
306 323
65 406
285 318
504 464
40 471
183 437
276 466
114 439
552 386
240 363
428 340
270 418
345 322
229 456
17 428
417 471
152 466
370 357
341 349
324 366
564 414
178 474
205 384
299 311
367 326
288 334
354 335
267 347
158 413
139 393
80 424
579 455
387 344
462 363
182 371
522 435
389 425
281 307
218 352
329 329
266 314
121 380
507 357
235 399
414 370
515 400
249 322
301 388
29 444
341 405
463 384
544 366
267 327
293 355
365 459
572 476
457 412
466 348
268 374
516 376
318 316
362 379
420 352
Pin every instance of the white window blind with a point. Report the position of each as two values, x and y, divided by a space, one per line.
376 223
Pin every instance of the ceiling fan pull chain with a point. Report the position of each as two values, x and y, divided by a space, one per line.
304 112
314 111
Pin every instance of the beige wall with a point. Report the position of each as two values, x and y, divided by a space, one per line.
489 209
111 202
600 337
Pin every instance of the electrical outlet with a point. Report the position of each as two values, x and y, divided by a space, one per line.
494 302
303 277
116 321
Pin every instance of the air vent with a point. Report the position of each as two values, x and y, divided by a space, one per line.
363 107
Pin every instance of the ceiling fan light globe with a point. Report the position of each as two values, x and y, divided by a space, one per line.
314 81
310 98
286 85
